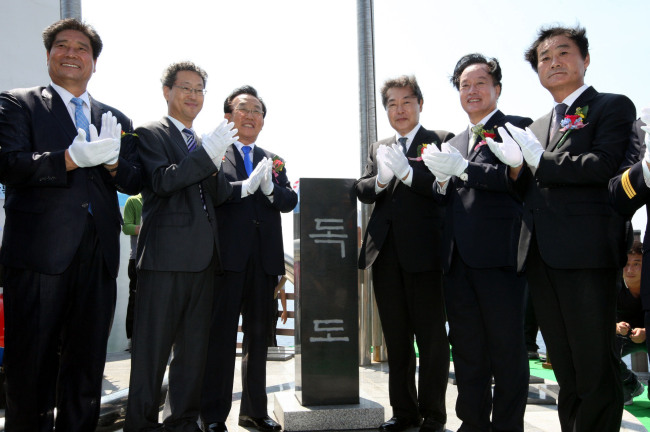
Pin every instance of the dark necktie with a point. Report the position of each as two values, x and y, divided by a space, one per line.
191 146
558 116
79 116
248 164
402 142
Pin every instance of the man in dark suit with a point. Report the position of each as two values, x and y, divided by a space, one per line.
60 247
484 294
250 237
572 242
177 255
402 244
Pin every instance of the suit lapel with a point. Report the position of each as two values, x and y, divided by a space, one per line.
55 105
237 161
96 112
258 155
582 101
542 130
175 135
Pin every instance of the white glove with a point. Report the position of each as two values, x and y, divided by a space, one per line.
397 162
507 151
266 185
92 153
449 161
645 116
253 181
428 159
530 146
216 142
384 174
110 129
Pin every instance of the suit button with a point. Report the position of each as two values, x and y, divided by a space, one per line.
84 205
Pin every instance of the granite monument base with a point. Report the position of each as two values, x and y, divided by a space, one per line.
295 417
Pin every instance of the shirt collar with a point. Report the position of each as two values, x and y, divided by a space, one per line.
179 125
66 96
569 100
240 145
409 136
484 120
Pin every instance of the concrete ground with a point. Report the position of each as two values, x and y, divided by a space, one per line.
373 386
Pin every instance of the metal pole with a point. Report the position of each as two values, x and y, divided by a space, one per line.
366 46
71 9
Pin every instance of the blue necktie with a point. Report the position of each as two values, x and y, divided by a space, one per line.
80 118
248 164
191 146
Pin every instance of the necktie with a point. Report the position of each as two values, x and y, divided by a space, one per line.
191 141
191 146
80 118
248 164
402 142
558 115
476 130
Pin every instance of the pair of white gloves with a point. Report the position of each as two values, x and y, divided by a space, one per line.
391 162
448 161
261 177
103 148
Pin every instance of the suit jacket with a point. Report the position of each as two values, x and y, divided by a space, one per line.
45 206
415 217
176 233
239 218
566 197
484 213
629 192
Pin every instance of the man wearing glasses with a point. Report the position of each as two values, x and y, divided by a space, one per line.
402 245
177 255
250 238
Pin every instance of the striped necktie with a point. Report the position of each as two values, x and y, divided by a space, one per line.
191 146
79 116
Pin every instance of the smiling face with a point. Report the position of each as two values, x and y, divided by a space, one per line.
560 66
403 109
184 107
247 116
632 273
70 61
478 94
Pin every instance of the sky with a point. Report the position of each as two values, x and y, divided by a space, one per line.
302 56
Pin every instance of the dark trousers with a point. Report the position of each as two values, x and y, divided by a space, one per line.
411 305
172 314
56 330
133 280
576 310
250 292
485 309
530 324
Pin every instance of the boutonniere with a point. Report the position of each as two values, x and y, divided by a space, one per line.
278 165
124 134
571 122
421 148
483 134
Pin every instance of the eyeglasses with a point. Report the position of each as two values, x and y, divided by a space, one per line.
254 112
190 90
